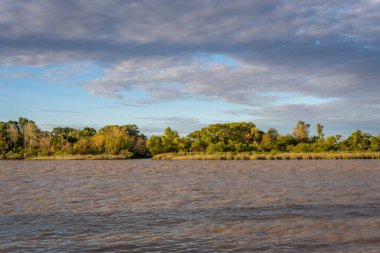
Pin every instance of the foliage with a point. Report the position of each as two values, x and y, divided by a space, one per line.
240 137
301 131
23 139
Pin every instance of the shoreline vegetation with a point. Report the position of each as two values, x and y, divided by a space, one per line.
79 157
267 156
217 156
23 139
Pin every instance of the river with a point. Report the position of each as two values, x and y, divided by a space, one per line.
190 206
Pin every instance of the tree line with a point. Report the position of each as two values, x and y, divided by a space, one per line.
23 139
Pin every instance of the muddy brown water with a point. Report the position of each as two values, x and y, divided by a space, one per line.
190 206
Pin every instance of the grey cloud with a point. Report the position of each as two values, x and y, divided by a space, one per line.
255 29
167 79
345 115
324 49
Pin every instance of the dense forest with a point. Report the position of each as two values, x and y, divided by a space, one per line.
24 139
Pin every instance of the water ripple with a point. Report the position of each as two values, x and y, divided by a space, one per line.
189 206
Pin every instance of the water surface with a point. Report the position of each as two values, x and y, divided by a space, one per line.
190 206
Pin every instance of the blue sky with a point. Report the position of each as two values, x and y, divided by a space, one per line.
187 64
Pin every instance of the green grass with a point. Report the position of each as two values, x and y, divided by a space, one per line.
279 156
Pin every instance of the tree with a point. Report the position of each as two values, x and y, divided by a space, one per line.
236 136
115 139
184 144
4 142
84 146
320 131
358 141
375 143
170 140
14 134
269 139
87 132
154 145
44 143
30 133
22 122
286 142
301 131
63 139
138 147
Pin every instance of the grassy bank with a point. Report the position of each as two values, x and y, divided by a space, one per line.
279 156
79 157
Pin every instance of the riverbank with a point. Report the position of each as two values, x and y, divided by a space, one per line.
279 156
79 157
216 156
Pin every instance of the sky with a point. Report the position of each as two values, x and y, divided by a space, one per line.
188 64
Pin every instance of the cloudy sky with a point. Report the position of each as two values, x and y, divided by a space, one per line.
188 64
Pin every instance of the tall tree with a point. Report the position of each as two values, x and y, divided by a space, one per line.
170 140
301 131
30 133
320 133
14 134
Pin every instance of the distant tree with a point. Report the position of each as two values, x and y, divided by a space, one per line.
303 148
45 143
14 134
269 140
4 139
154 145
301 131
286 142
85 146
358 141
115 139
184 144
375 143
31 138
170 140
87 132
138 147
23 138
320 133
22 122
273 133
63 139
330 144
238 136
198 144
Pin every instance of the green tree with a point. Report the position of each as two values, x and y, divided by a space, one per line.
154 145
269 140
170 140
63 139
358 141
375 143
320 133
286 142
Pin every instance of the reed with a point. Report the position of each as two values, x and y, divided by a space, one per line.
79 157
267 156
